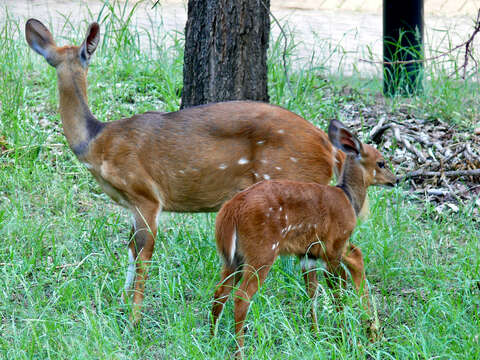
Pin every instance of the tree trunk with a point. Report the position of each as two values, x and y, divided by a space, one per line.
226 44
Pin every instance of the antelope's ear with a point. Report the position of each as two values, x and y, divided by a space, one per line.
90 43
343 139
41 41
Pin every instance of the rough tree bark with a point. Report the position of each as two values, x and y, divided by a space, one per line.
226 46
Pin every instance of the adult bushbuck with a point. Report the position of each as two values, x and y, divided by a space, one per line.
192 160
312 221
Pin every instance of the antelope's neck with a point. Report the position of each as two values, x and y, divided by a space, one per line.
352 182
79 124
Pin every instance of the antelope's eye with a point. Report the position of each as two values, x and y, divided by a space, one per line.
381 164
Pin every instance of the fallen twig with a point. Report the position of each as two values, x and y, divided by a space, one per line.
454 173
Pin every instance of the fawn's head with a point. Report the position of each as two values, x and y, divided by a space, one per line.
371 161
68 60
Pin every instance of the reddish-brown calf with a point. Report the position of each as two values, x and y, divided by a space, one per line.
309 220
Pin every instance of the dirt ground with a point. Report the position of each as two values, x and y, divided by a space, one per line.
354 26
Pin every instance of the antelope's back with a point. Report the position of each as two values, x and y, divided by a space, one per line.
200 157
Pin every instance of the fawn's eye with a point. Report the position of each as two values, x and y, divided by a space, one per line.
381 164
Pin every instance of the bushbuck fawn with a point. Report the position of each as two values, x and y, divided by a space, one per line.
312 221
191 160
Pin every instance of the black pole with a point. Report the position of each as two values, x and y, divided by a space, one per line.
402 41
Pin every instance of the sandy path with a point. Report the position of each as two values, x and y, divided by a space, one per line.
356 33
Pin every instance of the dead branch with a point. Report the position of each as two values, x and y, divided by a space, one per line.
402 140
462 148
453 173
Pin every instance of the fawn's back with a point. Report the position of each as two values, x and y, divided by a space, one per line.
289 217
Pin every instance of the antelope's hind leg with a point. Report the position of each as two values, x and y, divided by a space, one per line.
311 283
253 277
353 259
335 276
230 277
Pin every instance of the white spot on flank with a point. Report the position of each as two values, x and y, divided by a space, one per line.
278 168
234 245
242 161
293 159
281 131
181 172
130 270
280 209
374 172
286 230
223 166
261 142
256 174
266 177
264 161
270 209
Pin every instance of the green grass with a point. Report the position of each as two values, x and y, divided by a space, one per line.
63 257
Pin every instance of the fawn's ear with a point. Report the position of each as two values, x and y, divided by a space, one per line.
90 43
41 41
343 139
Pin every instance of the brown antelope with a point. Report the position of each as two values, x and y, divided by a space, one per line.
312 221
191 160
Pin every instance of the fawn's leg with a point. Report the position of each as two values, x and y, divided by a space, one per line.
353 259
229 279
311 284
253 278
335 276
